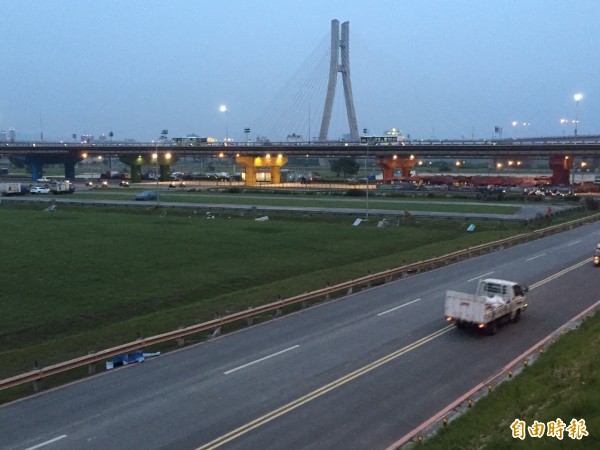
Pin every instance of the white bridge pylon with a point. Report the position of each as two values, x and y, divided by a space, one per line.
339 47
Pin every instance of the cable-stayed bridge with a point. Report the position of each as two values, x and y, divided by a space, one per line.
311 91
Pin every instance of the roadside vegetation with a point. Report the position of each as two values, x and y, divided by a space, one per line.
88 278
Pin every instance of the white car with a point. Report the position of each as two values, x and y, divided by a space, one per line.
39 190
43 180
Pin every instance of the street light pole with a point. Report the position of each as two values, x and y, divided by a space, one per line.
367 175
577 97
223 108
157 173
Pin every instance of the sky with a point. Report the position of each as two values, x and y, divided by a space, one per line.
442 69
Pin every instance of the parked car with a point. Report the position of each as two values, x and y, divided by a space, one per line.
147 195
39 190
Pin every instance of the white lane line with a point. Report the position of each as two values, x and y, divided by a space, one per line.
261 359
574 242
480 276
535 257
398 307
47 442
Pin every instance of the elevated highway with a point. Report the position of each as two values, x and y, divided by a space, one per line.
560 152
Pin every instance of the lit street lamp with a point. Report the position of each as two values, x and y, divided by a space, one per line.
223 109
577 97
155 157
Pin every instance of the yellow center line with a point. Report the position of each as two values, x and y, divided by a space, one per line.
322 391
559 274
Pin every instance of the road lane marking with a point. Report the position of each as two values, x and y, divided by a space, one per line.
234 434
398 307
261 359
481 276
559 274
535 257
51 441
574 242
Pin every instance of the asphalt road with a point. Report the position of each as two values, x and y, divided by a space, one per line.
526 210
356 373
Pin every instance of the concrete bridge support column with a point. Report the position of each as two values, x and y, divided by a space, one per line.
389 164
36 170
252 162
561 166
275 174
136 173
152 159
69 171
164 172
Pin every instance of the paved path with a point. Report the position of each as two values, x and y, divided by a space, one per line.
525 212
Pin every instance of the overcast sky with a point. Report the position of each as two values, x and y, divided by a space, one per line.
432 68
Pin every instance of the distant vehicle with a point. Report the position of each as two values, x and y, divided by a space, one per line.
62 187
147 195
89 183
353 181
13 189
221 176
494 302
387 139
44 180
124 183
174 184
190 141
39 190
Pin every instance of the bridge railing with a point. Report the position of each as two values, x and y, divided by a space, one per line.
552 141
340 289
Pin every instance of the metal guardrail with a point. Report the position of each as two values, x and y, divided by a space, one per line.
386 276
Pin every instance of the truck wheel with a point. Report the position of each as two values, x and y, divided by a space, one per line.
460 324
517 316
493 327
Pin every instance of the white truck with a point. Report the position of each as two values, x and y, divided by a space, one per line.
62 187
13 189
495 301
